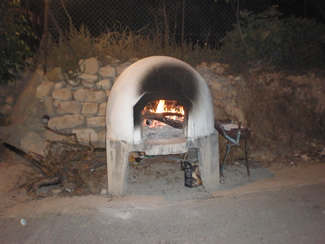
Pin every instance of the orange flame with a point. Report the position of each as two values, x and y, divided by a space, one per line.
162 107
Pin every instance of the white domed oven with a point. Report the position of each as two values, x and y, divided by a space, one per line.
161 89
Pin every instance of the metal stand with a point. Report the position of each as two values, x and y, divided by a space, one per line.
233 136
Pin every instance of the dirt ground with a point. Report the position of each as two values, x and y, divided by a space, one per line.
159 177
153 176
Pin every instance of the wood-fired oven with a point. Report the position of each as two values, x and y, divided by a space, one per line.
187 109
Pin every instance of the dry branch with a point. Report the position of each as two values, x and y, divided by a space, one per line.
36 161
67 164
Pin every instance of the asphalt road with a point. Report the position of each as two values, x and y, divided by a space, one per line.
287 215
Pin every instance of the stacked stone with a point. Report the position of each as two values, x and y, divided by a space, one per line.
81 108
230 92
225 90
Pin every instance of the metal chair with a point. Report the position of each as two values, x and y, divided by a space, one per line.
233 133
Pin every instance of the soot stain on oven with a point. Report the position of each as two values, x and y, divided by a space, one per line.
168 82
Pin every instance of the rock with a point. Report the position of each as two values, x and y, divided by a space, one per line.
234 113
220 70
133 60
88 77
59 85
202 67
126 64
102 136
63 94
69 107
48 102
55 74
74 83
120 70
239 78
117 62
89 84
122 67
322 153
51 136
44 89
239 115
217 68
214 66
90 108
66 121
96 121
89 95
56 103
105 84
69 187
89 66
107 72
109 59
103 191
33 142
305 157
102 109
86 135
56 191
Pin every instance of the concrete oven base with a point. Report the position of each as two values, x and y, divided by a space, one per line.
118 160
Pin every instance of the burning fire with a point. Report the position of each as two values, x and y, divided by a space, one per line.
163 108
167 109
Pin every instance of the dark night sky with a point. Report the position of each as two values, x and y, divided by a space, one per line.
204 19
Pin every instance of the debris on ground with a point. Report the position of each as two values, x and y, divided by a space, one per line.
72 168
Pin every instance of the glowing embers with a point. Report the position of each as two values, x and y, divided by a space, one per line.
162 113
162 119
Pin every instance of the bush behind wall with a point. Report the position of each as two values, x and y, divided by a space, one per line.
267 38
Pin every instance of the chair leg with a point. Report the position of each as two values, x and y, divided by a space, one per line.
224 159
246 158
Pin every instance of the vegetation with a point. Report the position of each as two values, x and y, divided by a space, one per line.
14 50
122 45
267 38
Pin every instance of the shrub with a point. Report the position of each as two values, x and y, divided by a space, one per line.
268 38
70 48
122 45
13 48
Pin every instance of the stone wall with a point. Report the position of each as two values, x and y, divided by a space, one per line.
81 109
233 95
225 89
78 105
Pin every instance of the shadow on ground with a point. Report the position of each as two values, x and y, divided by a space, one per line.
162 176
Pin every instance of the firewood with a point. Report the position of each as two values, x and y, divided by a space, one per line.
36 162
71 165
162 118
53 180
